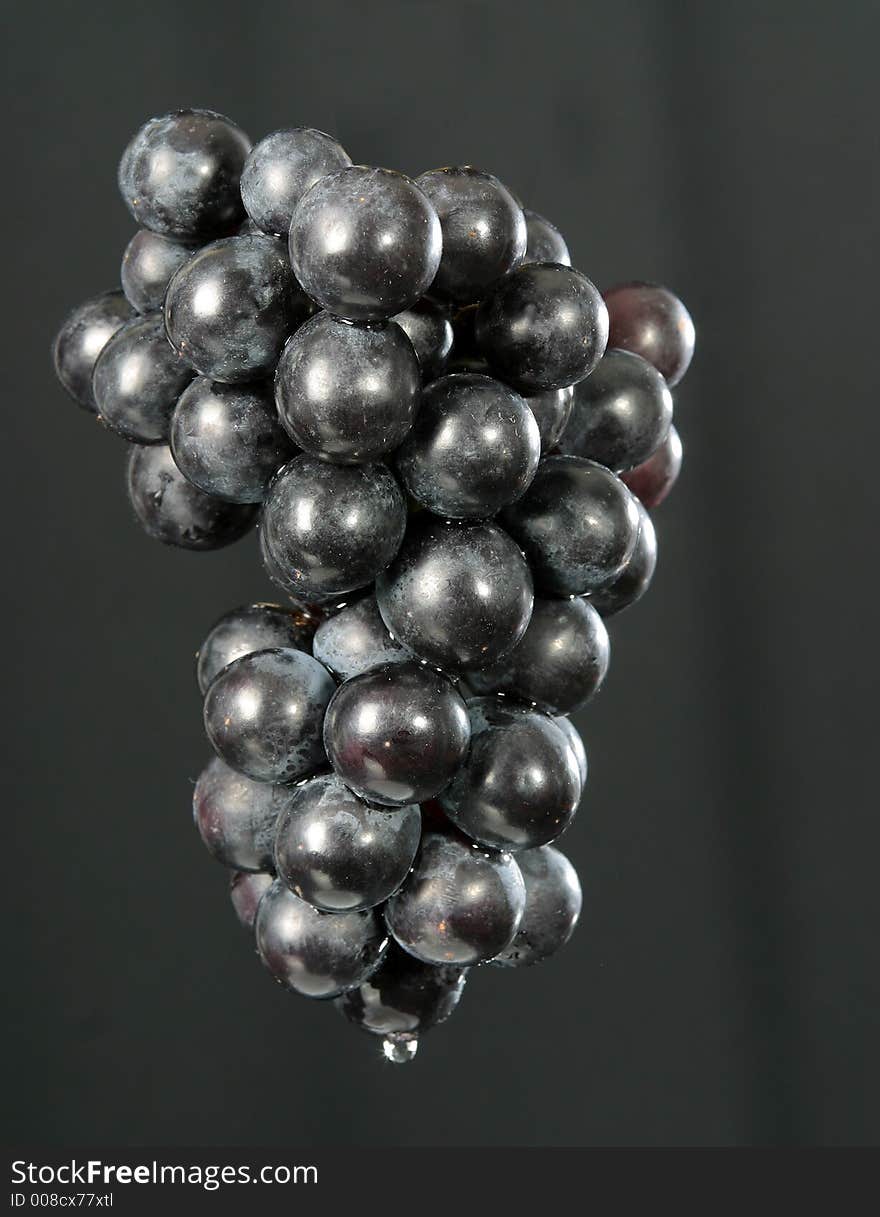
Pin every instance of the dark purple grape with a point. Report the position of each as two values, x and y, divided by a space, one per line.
180 174
348 392
365 243
429 329
560 661
552 410
543 327
356 640
339 853
484 231
635 578
396 734
231 307
652 481
316 954
622 413
281 168
403 996
652 322
332 528
171 510
474 448
545 242
227 440
456 595
82 338
252 627
264 712
577 523
246 890
148 263
237 817
461 905
520 785
572 735
137 381
553 906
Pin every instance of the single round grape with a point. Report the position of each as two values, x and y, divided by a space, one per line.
461 905
545 243
237 817
403 996
356 640
572 735
652 322
171 510
621 413
347 392
314 603
520 785
332 527
543 327
137 381
316 954
474 448
227 440
552 410
635 578
577 523
339 853
280 169
263 714
252 627
148 263
82 338
456 595
429 329
246 890
180 174
396 734
553 906
483 226
231 307
365 243
560 661
652 481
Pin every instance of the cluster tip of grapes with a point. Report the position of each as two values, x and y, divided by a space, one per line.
449 441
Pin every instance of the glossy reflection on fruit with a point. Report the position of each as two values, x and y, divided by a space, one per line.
652 481
316 954
237 817
456 595
365 243
572 735
264 712
553 906
520 785
246 890
137 380
621 413
348 392
82 338
180 174
484 230
635 578
474 447
396 734
339 853
171 510
652 322
461 905
543 327
577 523
227 440
281 168
403 996
356 640
552 410
560 661
252 627
332 528
148 263
429 329
545 242
231 307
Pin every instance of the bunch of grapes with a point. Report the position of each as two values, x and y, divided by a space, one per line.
449 441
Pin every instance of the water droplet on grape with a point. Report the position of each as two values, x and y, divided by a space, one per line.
399 1048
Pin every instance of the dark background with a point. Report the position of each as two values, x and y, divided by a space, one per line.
722 988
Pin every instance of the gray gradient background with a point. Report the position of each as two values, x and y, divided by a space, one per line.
722 988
